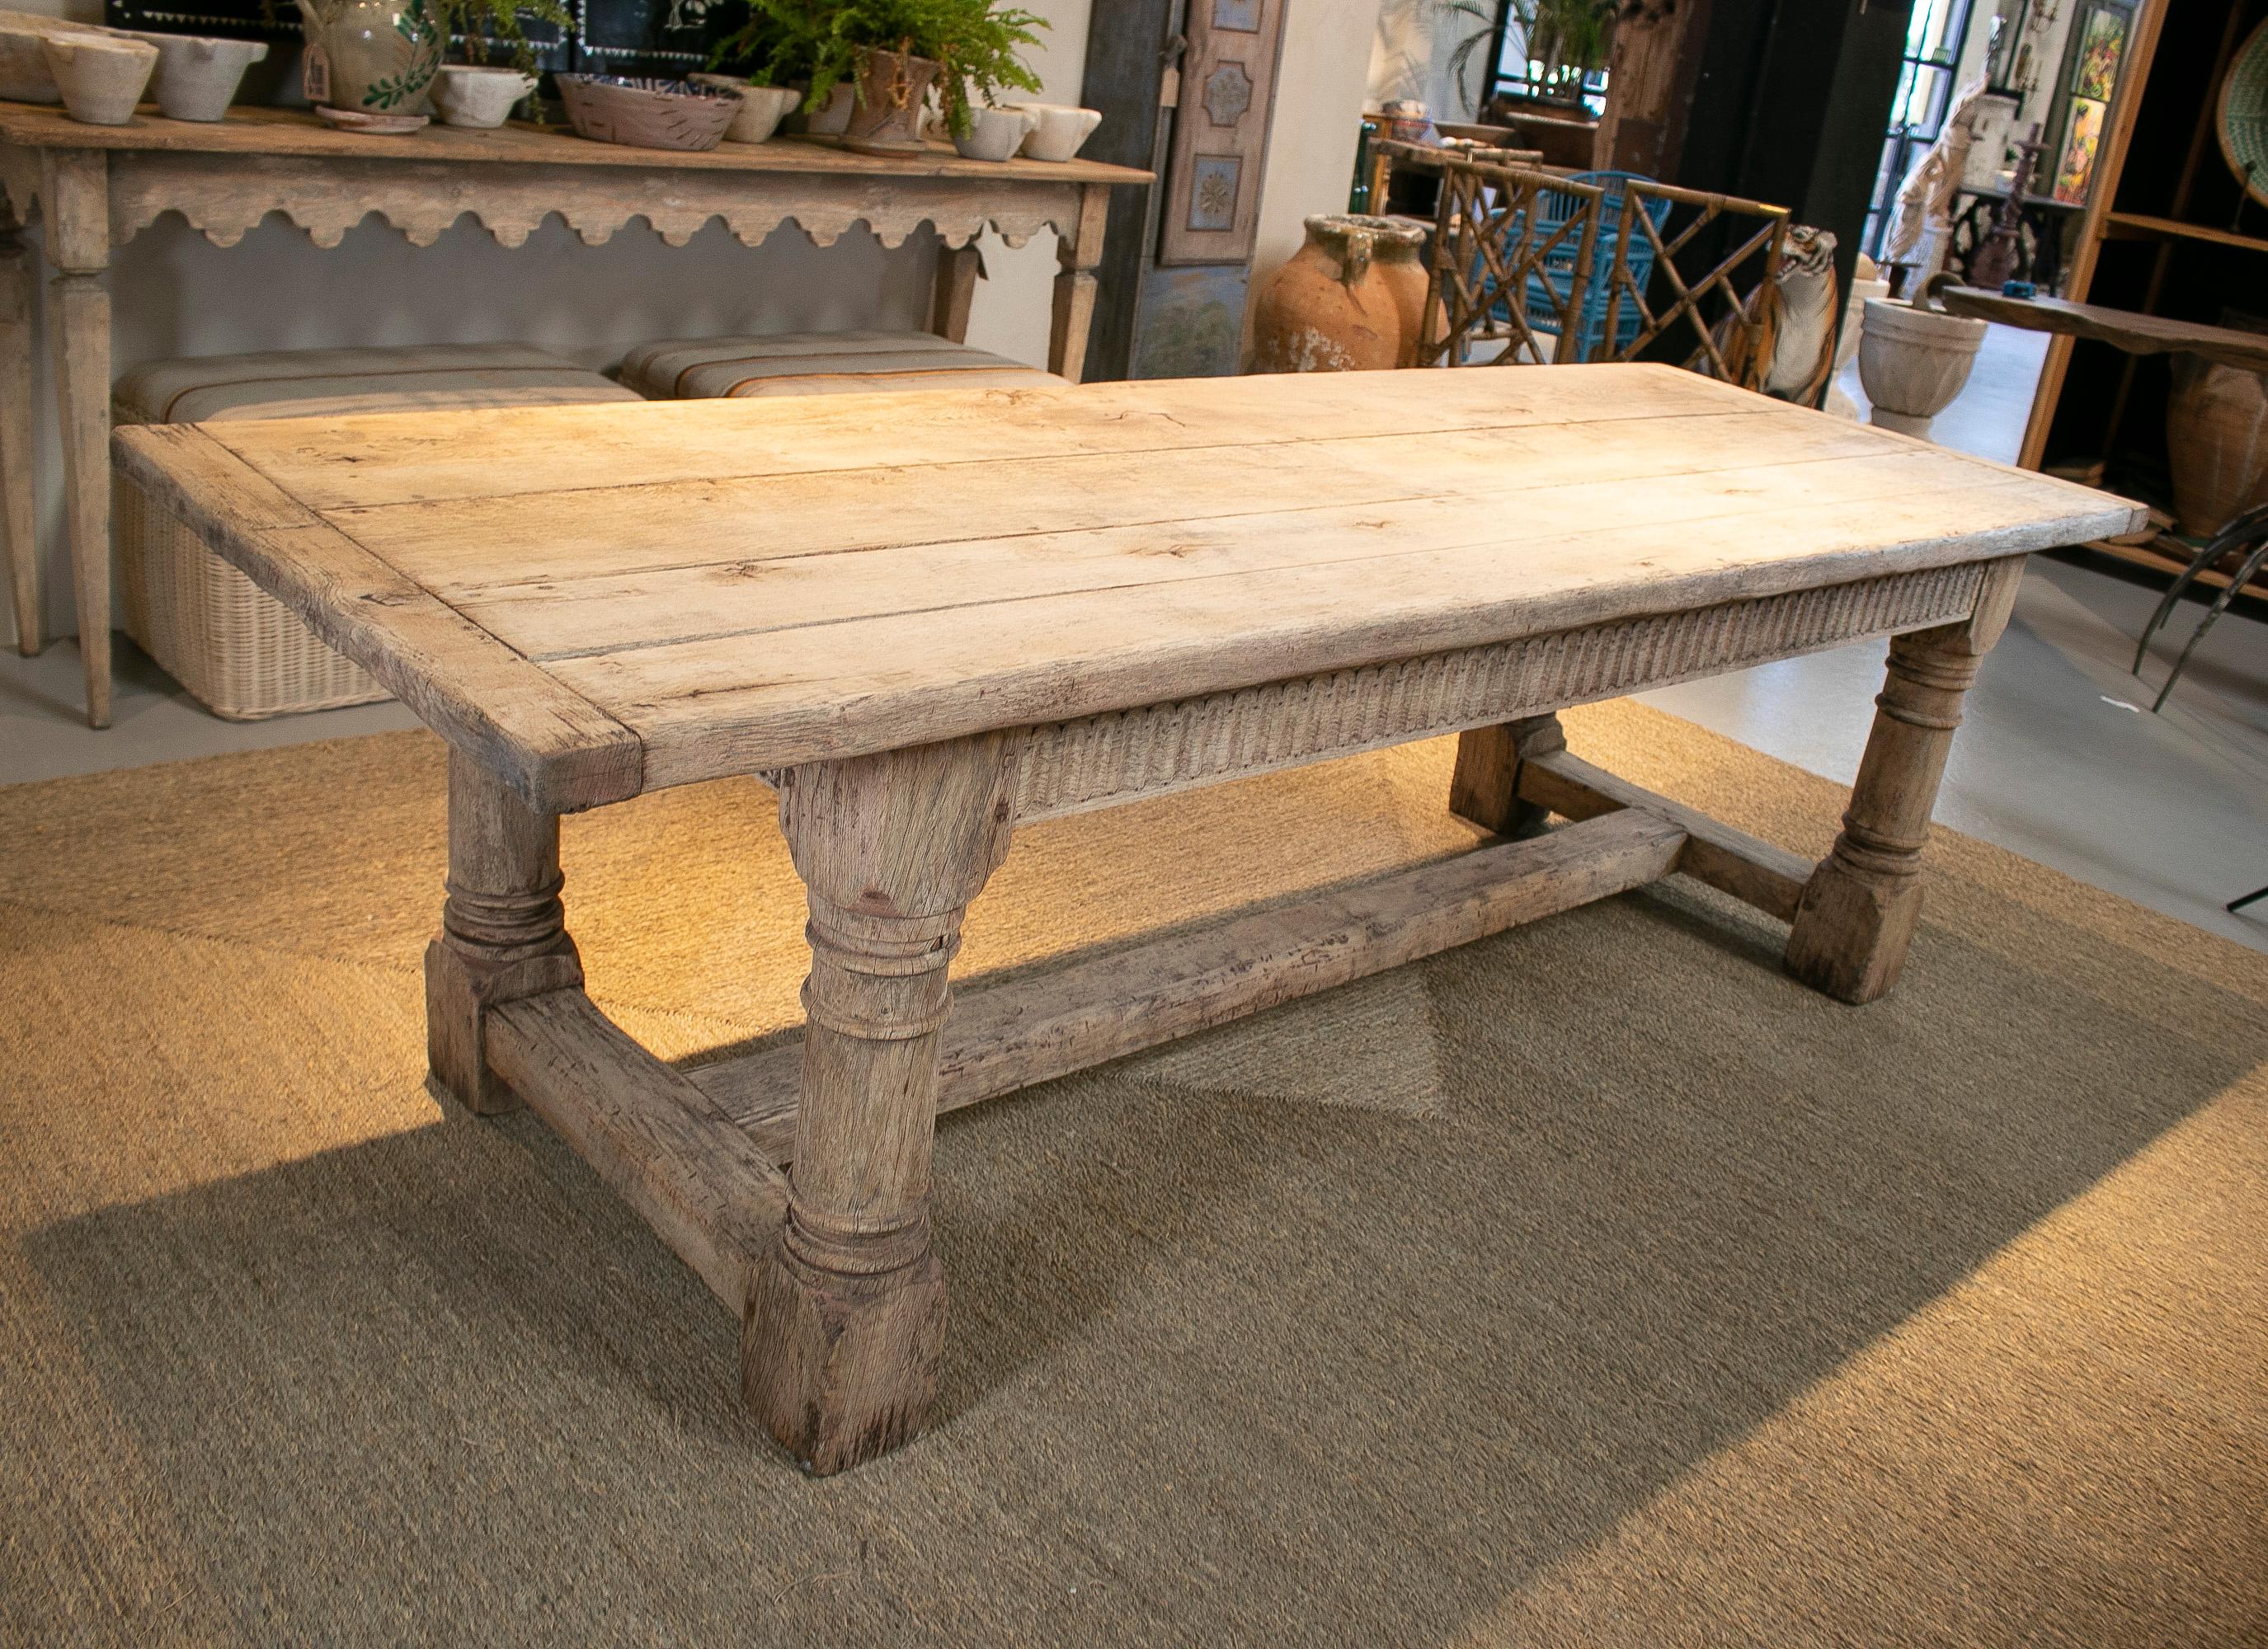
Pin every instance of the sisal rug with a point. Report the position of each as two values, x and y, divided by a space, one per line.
1593 1285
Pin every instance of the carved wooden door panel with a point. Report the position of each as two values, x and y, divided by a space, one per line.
1211 205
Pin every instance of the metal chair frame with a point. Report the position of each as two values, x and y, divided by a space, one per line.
2249 529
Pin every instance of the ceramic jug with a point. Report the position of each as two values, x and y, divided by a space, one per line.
1351 299
370 56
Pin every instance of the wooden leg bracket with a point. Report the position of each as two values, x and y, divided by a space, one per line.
1732 861
1008 1035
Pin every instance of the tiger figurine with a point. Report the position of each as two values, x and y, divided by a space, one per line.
1794 327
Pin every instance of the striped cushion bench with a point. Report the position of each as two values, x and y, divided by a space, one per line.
817 364
239 651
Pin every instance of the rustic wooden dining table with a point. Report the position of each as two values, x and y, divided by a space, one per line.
925 620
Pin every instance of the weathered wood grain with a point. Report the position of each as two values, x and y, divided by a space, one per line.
370 461
1009 1034
553 748
1298 502
660 1142
72 187
1749 868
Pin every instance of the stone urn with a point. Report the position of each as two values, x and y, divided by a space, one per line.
370 56
2216 443
1913 362
1351 299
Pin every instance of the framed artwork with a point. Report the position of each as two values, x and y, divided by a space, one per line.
2090 77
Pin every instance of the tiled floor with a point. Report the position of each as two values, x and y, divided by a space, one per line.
2060 759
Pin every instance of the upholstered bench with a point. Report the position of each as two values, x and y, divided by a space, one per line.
237 649
817 364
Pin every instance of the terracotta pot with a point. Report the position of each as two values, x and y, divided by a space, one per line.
1913 362
2216 443
886 118
370 56
1351 300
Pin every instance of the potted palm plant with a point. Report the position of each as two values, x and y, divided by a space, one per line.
891 53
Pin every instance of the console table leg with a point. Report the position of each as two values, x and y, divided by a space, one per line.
1079 253
845 1323
1860 909
959 268
17 535
504 934
75 200
1485 787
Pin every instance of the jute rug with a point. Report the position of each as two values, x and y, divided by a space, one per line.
1595 1285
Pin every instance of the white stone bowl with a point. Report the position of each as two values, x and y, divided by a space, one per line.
763 108
993 133
101 77
1057 130
197 75
478 95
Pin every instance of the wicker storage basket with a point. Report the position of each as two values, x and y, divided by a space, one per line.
239 651
817 364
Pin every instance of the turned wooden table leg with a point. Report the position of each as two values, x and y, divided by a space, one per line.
76 200
16 536
1860 907
959 268
503 935
845 1323
1485 787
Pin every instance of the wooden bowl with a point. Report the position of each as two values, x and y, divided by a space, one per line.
647 113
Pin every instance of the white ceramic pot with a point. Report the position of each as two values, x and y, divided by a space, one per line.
1057 130
477 95
834 115
761 107
101 77
1913 362
993 133
197 77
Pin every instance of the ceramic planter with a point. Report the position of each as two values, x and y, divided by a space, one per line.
762 110
887 112
478 95
993 133
647 113
1351 299
1057 130
370 56
101 77
196 77
1913 362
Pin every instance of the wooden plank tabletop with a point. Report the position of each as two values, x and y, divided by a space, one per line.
297 133
2127 329
678 590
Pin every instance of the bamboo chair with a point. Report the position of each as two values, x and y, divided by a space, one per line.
1513 256
1734 341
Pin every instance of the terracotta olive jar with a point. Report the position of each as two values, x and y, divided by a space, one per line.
1351 299
2216 443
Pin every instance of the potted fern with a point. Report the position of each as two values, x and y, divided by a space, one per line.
890 53
481 92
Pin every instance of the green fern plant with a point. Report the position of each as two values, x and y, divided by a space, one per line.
491 29
978 43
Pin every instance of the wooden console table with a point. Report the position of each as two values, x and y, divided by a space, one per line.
1030 602
94 188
